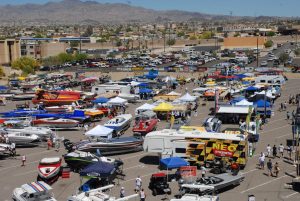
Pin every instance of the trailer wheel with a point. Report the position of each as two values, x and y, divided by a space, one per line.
207 165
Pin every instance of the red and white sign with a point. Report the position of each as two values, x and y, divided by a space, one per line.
188 171
222 153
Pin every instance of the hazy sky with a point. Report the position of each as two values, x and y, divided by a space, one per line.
236 7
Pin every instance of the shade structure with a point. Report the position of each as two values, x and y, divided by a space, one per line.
244 102
98 169
163 107
145 90
101 100
251 88
173 93
145 107
173 162
117 101
100 131
237 99
187 98
262 103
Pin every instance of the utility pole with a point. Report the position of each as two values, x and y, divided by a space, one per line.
257 54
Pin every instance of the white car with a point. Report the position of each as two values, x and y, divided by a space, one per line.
264 64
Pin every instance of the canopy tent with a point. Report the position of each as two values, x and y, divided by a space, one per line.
173 93
100 131
163 107
134 83
262 103
173 162
187 98
179 108
145 90
145 107
233 109
236 100
268 94
101 100
98 169
117 101
251 88
244 102
2 88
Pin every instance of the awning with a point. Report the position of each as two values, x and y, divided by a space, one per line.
173 162
163 107
233 110
100 131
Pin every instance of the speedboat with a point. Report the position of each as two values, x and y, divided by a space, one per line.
23 139
108 146
33 191
195 197
58 109
145 126
119 123
99 195
56 123
49 169
23 96
77 160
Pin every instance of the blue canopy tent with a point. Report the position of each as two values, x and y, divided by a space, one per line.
262 103
173 162
245 82
3 88
99 169
252 88
145 90
236 100
101 100
143 84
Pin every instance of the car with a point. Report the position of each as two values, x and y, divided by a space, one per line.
271 58
264 64
159 184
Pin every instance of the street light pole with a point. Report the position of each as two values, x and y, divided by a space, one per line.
257 52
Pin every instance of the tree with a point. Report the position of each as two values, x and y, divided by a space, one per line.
50 61
180 34
74 44
207 35
101 40
118 43
39 36
80 56
2 73
64 57
88 32
237 35
193 37
26 64
297 52
283 57
268 44
271 33
171 42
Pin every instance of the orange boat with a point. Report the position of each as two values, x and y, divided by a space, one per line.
55 98
209 95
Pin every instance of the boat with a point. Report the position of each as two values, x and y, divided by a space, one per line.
17 126
33 191
143 127
195 197
211 183
99 195
58 109
112 146
22 139
55 123
120 123
78 160
49 169
23 96
54 98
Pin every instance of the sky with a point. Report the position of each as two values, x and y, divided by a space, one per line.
288 8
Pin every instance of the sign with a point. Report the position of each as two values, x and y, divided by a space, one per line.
223 150
188 171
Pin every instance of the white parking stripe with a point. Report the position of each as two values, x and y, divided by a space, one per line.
290 195
249 171
19 165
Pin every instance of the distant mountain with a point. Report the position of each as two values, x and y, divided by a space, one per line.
83 12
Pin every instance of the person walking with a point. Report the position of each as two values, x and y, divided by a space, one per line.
23 160
261 160
270 166
289 151
276 169
281 150
122 192
86 127
288 115
203 171
57 145
49 144
142 195
138 184
268 151
274 151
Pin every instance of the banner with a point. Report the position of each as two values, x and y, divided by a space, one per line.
188 171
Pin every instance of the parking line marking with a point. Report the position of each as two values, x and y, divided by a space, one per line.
281 136
249 189
249 171
290 195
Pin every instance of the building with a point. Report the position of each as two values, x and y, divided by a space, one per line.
244 43
9 51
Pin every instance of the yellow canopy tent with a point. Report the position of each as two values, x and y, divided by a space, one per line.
163 107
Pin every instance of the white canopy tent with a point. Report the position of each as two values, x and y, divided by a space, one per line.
173 93
244 102
117 101
100 131
187 98
268 94
145 107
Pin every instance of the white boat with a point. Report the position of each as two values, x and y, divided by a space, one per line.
99 195
33 191
23 96
4 149
195 197
22 139
49 169
56 123
119 123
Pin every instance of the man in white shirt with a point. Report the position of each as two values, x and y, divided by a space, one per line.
281 150
138 183
268 150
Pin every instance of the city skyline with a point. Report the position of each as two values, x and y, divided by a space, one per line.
288 8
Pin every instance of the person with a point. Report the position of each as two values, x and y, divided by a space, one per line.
287 115
268 150
86 127
281 150
276 169
57 145
261 160
13 148
274 151
289 151
203 171
122 192
138 184
23 160
49 143
270 166
142 195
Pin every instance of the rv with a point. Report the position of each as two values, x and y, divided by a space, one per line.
198 147
105 88
270 79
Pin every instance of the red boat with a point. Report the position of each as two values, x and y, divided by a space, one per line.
143 127
54 98
49 169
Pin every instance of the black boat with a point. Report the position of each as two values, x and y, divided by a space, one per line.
78 160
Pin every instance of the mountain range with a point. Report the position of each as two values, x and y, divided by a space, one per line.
91 12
